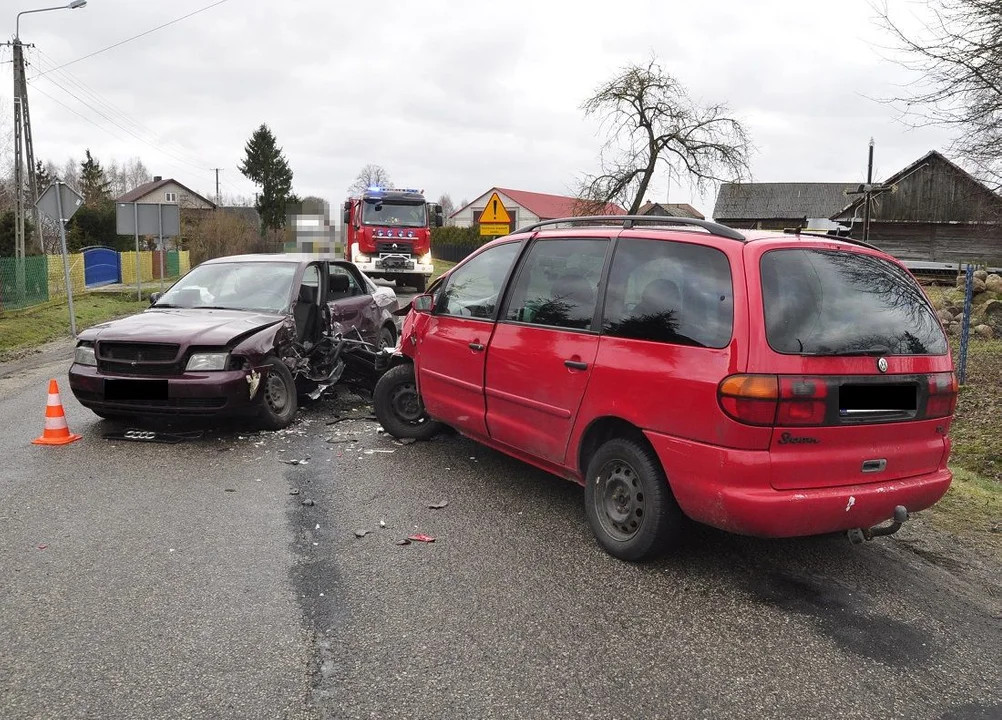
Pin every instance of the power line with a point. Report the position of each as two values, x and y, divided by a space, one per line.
134 37
182 154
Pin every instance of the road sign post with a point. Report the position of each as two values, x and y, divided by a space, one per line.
59 202
159 220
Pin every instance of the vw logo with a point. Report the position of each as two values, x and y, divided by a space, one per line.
882 365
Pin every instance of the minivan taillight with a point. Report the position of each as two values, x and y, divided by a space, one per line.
942 401
773 400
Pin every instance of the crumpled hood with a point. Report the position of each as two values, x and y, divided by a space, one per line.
183 326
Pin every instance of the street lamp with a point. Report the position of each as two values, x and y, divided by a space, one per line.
72 6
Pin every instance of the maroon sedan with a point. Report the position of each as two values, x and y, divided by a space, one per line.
241 335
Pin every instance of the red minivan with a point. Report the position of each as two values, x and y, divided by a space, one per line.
767 384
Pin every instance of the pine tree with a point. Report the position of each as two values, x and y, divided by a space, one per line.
42 176
266 166
93 185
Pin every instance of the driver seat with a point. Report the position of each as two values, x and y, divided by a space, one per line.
305 314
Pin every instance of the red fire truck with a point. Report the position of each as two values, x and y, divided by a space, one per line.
388 234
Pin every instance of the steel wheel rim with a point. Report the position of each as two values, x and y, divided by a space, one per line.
406 403
384 342
619 500
276 394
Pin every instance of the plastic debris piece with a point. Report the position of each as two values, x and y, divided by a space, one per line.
308 503
405 441
296 462
317 527
403 541
230 490
438 505
294 492
421 537
382 523
372 452
42 546
362 533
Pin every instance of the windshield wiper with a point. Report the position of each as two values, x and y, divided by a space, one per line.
872 350
164 305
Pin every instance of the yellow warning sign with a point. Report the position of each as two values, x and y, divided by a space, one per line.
495 212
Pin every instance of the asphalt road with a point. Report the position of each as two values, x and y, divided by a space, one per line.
185 581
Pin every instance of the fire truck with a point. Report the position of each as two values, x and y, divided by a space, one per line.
388 234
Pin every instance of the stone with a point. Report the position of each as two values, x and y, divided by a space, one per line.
981 275
984 331
946 316
979 286
992 310
993 283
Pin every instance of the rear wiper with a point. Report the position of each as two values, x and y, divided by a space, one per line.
872 350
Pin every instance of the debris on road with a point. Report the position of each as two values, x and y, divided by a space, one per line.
296 462
308 503
382 524
372 452
42 546
230 490
294 492
405 441
362 533
421 537
438 505
403 541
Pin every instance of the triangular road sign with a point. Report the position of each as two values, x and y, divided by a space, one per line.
495 211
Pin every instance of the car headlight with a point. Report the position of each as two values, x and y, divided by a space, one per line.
426 258
84 355
207 361
361 257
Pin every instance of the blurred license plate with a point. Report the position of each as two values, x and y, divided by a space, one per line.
135 389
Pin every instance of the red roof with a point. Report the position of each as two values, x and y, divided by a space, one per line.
549 207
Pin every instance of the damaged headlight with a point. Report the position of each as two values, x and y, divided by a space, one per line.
207 361
84 355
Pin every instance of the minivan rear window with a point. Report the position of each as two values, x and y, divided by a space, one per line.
832 302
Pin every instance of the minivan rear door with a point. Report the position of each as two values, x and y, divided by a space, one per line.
866 389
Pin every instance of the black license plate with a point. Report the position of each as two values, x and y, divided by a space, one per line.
889 397
135 389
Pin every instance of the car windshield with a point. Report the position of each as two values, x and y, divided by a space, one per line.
257 286
394 214
822 302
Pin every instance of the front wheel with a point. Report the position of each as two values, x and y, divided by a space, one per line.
278 396
398 405
387 337
420 283
629 504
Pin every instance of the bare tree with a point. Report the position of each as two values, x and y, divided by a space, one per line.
650 120
958 56
136 174
369 176
448 207
71 174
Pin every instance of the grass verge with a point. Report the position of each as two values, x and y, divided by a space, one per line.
23 330
971 511
441 266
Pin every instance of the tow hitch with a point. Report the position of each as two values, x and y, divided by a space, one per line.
857 536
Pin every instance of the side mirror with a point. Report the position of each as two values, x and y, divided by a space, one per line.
423 303
155 296
439 219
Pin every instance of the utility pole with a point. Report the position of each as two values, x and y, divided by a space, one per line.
869 183
217 185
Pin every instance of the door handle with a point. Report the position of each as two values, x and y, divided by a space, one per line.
576 364
476 347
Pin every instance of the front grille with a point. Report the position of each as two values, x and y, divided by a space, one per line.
404 247
137 352
139 369
188 403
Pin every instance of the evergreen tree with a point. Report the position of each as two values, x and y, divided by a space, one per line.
42 176
266 166
93 185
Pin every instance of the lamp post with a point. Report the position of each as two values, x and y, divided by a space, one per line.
22 126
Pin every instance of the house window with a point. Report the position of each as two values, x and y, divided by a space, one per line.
170 197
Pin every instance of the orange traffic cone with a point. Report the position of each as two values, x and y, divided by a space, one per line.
57 432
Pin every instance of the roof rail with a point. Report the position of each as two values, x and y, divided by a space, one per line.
628 221
851 241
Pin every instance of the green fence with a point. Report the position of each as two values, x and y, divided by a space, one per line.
23 282
173 263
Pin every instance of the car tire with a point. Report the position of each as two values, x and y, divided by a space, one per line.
387 337
398 405
278 396
420 283
630 506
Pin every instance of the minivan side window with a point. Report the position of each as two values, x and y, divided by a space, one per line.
670 292
558 284
474 290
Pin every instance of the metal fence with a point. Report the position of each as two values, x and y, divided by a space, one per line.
450 252
37 279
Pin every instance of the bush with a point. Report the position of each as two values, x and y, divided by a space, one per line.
451 235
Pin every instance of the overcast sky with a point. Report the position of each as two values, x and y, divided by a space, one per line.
453 97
